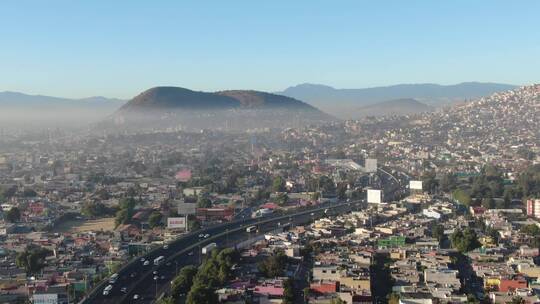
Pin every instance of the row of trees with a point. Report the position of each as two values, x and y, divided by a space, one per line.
200 284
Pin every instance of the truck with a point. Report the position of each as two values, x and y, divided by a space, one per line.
113 278
208 248
160 259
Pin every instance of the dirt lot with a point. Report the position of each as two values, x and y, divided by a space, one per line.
107 224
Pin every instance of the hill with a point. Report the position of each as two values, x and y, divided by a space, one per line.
341 101
235 109
404 106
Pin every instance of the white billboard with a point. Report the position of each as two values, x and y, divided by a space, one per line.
370 165
45 298
187 208
374 196
176 223
415 185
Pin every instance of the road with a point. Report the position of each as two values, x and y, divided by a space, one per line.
140 280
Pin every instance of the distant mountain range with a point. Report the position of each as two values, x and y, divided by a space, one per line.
347 103
404 106
18 110
20 100
237 109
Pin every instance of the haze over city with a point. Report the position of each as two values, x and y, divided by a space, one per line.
206 152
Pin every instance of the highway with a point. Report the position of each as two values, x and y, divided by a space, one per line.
141 280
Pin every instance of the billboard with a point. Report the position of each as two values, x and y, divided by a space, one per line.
374 196
45 298
176 223
183 175
415 185
187 208
371 165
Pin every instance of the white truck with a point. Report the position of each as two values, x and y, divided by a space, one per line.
159 260
208 248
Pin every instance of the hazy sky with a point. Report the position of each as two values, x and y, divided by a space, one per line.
119 48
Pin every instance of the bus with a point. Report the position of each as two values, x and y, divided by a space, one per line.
251 229
159 260
113 278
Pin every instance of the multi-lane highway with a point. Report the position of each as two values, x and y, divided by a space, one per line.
138 283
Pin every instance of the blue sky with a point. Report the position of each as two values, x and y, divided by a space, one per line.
119 48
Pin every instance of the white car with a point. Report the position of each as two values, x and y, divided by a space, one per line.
135 297
201 236
166 247
206 236
146 263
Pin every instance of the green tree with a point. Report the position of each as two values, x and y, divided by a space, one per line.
464 241
274 265
429 181
13 215
202 294
462 196
32 259
204 202
288 292
155 219
183 281
278 184
437 231
327 185
531 230
341 191
282 199
448 182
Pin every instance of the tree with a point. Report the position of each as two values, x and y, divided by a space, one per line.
488 202
94 209
437 231
531 230
273 265
429 181
341 191
202 294
127 209
464 241
462 196
155 219
278 184
288 292
282 199
326 184
183 281
448 182
204 202
32 259
13 215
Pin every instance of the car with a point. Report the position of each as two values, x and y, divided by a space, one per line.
190 253
146 263
133 274
166 247
142 260
168 264
123 290
201 236
206 236
155 272
162 277
135 297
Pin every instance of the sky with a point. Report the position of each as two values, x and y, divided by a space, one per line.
119 48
